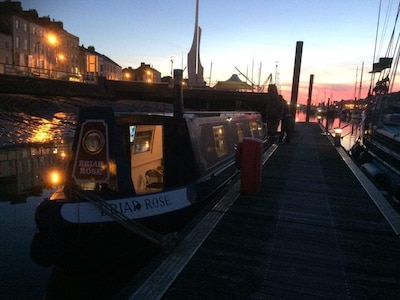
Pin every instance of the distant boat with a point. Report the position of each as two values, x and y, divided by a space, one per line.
146 173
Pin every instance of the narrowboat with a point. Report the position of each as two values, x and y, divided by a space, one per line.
145 173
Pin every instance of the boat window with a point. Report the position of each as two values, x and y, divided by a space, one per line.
240 132
261 129
219 141
142 141
146 147
254 129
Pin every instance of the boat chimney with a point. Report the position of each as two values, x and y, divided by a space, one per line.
178 88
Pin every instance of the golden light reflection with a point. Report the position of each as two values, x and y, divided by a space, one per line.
112 165
60 115
43 132
55 178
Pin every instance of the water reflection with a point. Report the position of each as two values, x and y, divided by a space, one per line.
33 145
47 131
350 126
26 169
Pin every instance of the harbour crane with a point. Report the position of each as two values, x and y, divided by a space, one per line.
267 81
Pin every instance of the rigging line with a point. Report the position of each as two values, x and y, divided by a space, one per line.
383 34
395 65
395 60
393 32
377 29
385 73
376 39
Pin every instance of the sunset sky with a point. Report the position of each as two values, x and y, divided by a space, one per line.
255 36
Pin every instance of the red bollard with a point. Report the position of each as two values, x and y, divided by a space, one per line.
249 160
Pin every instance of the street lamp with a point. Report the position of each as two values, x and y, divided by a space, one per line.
172 65
148 73
53 41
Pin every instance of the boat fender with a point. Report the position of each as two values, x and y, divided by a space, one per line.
356 150
374 172
364 157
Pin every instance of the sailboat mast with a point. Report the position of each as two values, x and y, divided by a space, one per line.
361 78
355 85
376 42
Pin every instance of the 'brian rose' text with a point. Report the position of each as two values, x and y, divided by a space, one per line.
129 206
90 167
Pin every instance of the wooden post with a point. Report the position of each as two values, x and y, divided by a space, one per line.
310 87
296 79
178 100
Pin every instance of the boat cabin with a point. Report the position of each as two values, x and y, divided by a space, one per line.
145 153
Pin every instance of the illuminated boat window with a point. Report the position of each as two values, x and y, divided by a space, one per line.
219 141
254 129
142 141
261 129
146 148
240 132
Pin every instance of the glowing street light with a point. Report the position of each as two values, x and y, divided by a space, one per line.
148 73
52 39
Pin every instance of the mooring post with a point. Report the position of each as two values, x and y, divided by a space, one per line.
295 84
178 88
310 87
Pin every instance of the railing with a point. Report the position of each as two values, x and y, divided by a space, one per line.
16 70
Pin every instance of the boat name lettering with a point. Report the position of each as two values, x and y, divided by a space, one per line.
132 206
90 167
156 202
124 207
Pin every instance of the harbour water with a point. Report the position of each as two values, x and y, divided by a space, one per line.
351 131
22 278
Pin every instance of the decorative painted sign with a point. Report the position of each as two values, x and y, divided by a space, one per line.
92 160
